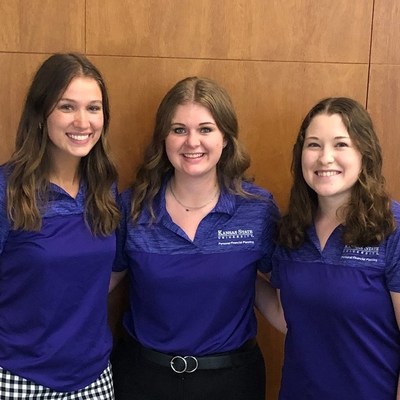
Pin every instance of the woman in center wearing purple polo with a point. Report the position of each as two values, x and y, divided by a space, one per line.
195 233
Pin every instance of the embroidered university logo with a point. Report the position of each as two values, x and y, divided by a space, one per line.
369 253
238 236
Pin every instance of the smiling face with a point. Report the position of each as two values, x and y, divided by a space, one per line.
76 122
194 143
331 163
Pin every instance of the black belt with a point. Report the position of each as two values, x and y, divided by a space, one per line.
180 364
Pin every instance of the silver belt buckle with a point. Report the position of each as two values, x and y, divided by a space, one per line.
184 361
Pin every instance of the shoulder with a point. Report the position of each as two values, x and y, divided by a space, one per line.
396 211
260 202
114 189
259 197
396 214
257 191
4 222
393 240
4 171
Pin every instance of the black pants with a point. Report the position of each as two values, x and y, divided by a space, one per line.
136 378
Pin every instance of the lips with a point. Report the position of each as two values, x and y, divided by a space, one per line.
327 173
193 155
79 137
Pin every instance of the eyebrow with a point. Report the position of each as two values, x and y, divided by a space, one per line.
335 138
201 123
75 101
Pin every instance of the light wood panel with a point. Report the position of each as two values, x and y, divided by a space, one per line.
42 25
384 106
19 70
293 30
386 32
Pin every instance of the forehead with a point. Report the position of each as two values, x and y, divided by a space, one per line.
327 125
83 86
192 111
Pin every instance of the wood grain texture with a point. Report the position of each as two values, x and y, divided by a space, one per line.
42 26
383 105
386 32
291 30
19 70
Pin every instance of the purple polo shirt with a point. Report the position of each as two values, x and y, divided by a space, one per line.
196 297
53 296
343 341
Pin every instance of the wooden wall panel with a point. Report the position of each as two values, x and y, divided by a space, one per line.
42 25
19 70
386 32
384 106
292 30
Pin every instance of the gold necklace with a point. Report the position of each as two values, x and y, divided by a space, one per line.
187 208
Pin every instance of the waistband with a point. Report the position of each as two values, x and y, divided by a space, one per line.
180 364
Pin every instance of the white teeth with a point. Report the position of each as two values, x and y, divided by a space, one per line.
327 173
193 155
79 137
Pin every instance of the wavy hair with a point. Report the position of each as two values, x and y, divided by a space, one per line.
28 167
234 160
368 215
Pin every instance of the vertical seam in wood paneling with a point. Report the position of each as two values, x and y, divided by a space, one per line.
85 29
370 53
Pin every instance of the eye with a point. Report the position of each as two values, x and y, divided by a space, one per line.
94 108
312 145
65 107
179 130
206 129
342 144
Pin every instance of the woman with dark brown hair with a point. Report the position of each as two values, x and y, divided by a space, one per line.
58 216
337 266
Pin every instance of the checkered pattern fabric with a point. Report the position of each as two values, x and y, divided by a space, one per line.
13 387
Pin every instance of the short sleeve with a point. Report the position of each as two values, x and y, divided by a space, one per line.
269 234
393 254
123 201
4 222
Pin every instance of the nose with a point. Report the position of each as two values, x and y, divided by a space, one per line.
81 119
192 139
326 156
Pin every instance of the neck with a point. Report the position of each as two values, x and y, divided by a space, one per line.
194 187
193 197
330 210
66 177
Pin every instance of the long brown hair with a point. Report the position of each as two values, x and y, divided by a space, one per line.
234 160
368 215
28 167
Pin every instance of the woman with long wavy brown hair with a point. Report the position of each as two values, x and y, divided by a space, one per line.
337 266
195 231
58 216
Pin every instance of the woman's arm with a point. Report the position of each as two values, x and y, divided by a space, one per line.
116 278
268 302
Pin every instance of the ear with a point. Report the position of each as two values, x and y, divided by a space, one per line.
224 143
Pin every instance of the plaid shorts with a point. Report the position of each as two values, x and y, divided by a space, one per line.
13 387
